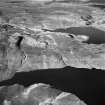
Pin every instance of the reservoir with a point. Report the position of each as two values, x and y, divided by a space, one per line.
101 6
96 36
87 84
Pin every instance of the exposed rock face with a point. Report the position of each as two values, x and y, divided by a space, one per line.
21 51
37 94
31 39
28 41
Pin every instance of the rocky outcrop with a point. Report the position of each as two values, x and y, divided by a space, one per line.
37 94
28 41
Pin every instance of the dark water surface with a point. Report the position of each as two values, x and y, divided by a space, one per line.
88 85
96 36
102 6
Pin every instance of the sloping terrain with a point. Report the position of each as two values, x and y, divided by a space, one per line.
29 40
38 35
37 94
